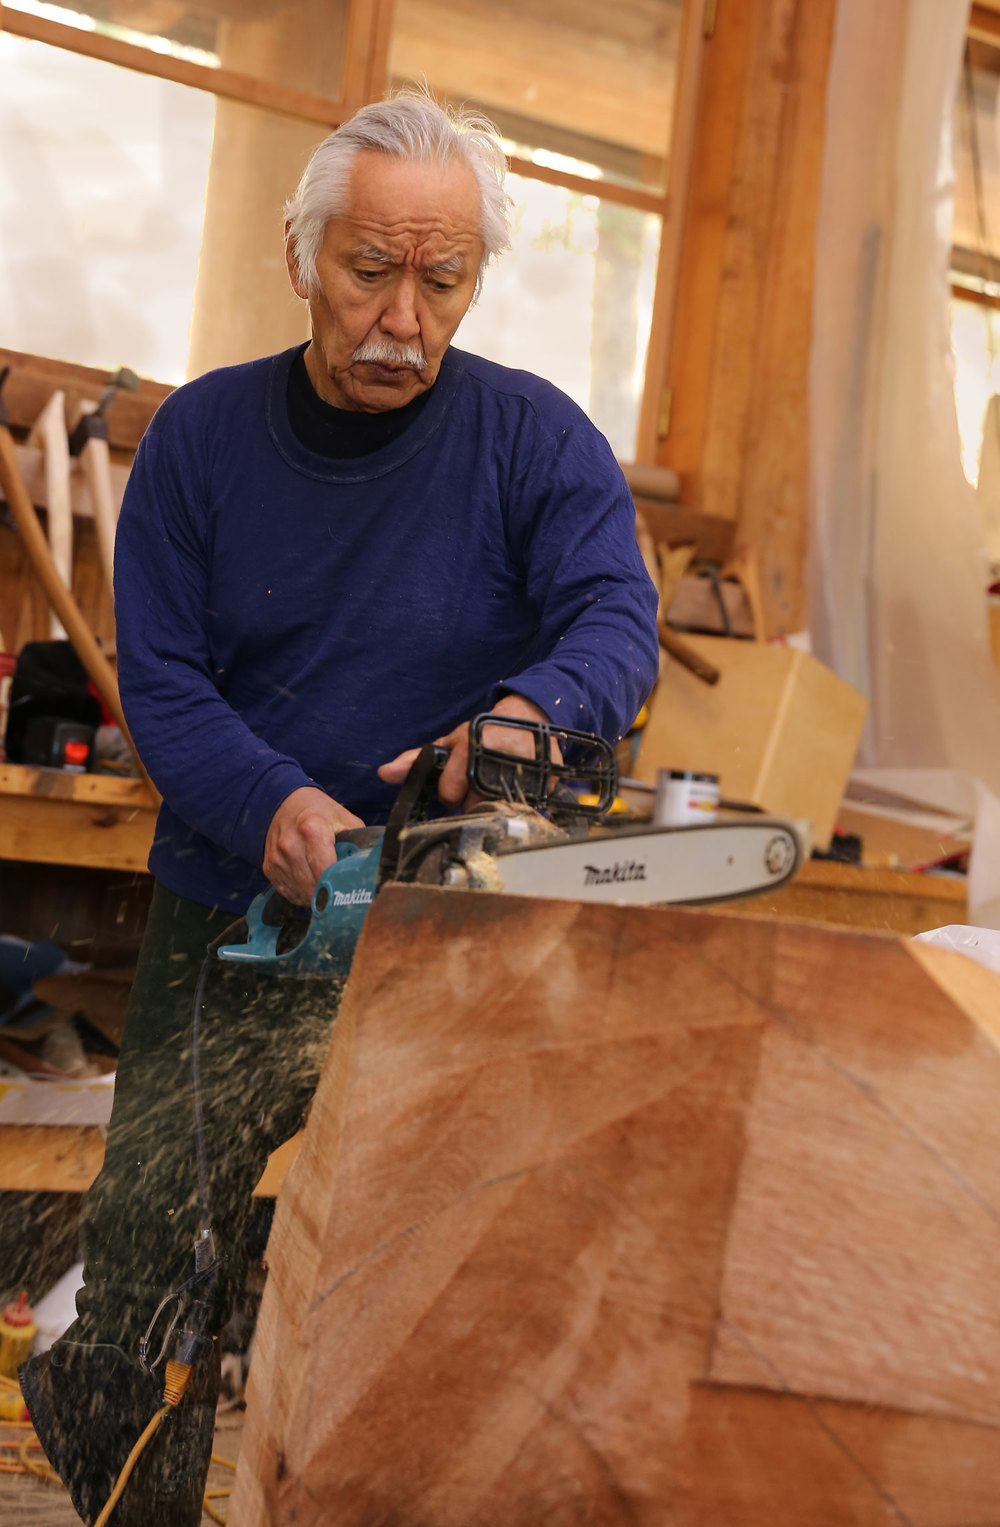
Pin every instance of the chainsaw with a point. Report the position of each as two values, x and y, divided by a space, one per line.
533 835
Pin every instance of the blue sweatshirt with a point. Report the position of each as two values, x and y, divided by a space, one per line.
284 619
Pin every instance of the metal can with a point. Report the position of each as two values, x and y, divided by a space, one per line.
684 798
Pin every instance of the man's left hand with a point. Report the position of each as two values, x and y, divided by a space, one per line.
454 784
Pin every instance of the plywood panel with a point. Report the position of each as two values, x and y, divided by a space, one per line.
779 728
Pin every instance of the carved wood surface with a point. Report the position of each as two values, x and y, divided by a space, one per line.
611 1215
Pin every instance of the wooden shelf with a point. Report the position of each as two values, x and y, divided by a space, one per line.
868 900
66 1159
50 817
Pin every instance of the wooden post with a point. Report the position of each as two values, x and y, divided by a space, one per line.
243 305
737 366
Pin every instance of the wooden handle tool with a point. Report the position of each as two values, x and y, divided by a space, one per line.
49 431
686 655
59 596
89 441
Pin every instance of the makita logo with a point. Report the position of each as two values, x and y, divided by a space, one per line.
351 898
615 874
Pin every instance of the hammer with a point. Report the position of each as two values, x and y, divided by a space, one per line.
60 598
89 441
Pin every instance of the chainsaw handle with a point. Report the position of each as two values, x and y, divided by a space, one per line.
417 794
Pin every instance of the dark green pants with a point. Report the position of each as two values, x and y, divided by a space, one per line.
263 1042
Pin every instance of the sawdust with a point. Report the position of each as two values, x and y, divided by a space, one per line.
483 872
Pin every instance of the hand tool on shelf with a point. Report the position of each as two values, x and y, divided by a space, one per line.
89 441
59 596
49 432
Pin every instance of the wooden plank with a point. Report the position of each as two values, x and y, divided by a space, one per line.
625 196
49 1159
529 1178
738 362
758 1457
89 789
50 817
746 252
984 24
58 832
33 379
868 900
690 56
66 1159
31 461
774 493
604 71
366 61
780 729
841 1280
673 525
228 83
692 355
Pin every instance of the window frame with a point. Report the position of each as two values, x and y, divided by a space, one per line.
365 78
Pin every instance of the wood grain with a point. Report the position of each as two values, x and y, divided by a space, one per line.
739 349
861 897
50 817
65 1158
616 1215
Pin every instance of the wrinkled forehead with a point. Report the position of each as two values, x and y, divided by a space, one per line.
404 204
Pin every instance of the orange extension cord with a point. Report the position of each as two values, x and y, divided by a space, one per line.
176 1381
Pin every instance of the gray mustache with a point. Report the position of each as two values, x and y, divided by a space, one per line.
383 352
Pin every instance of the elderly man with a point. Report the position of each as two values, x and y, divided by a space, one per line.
325 559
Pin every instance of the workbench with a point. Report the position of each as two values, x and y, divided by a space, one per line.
48 816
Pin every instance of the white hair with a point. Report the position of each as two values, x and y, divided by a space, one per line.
407 125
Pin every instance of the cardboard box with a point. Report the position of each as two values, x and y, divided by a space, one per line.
779 729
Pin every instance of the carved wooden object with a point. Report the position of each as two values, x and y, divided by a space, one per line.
612 1215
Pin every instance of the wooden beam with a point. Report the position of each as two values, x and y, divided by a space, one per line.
65 1158
229 83
984 24
855 896
595 68
971 294
607 190
366 62
674 525
774 494
737 368
34 378
682 147
50 817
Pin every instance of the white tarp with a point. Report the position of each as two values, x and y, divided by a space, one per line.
898 568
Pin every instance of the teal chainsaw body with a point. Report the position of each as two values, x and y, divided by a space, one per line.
279 937
324 944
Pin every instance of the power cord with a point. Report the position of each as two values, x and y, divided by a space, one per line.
192 1344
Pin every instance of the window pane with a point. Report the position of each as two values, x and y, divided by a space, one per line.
573 301
102 192
582 78
975 343
298 43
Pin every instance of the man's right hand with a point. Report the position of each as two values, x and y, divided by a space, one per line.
301 842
